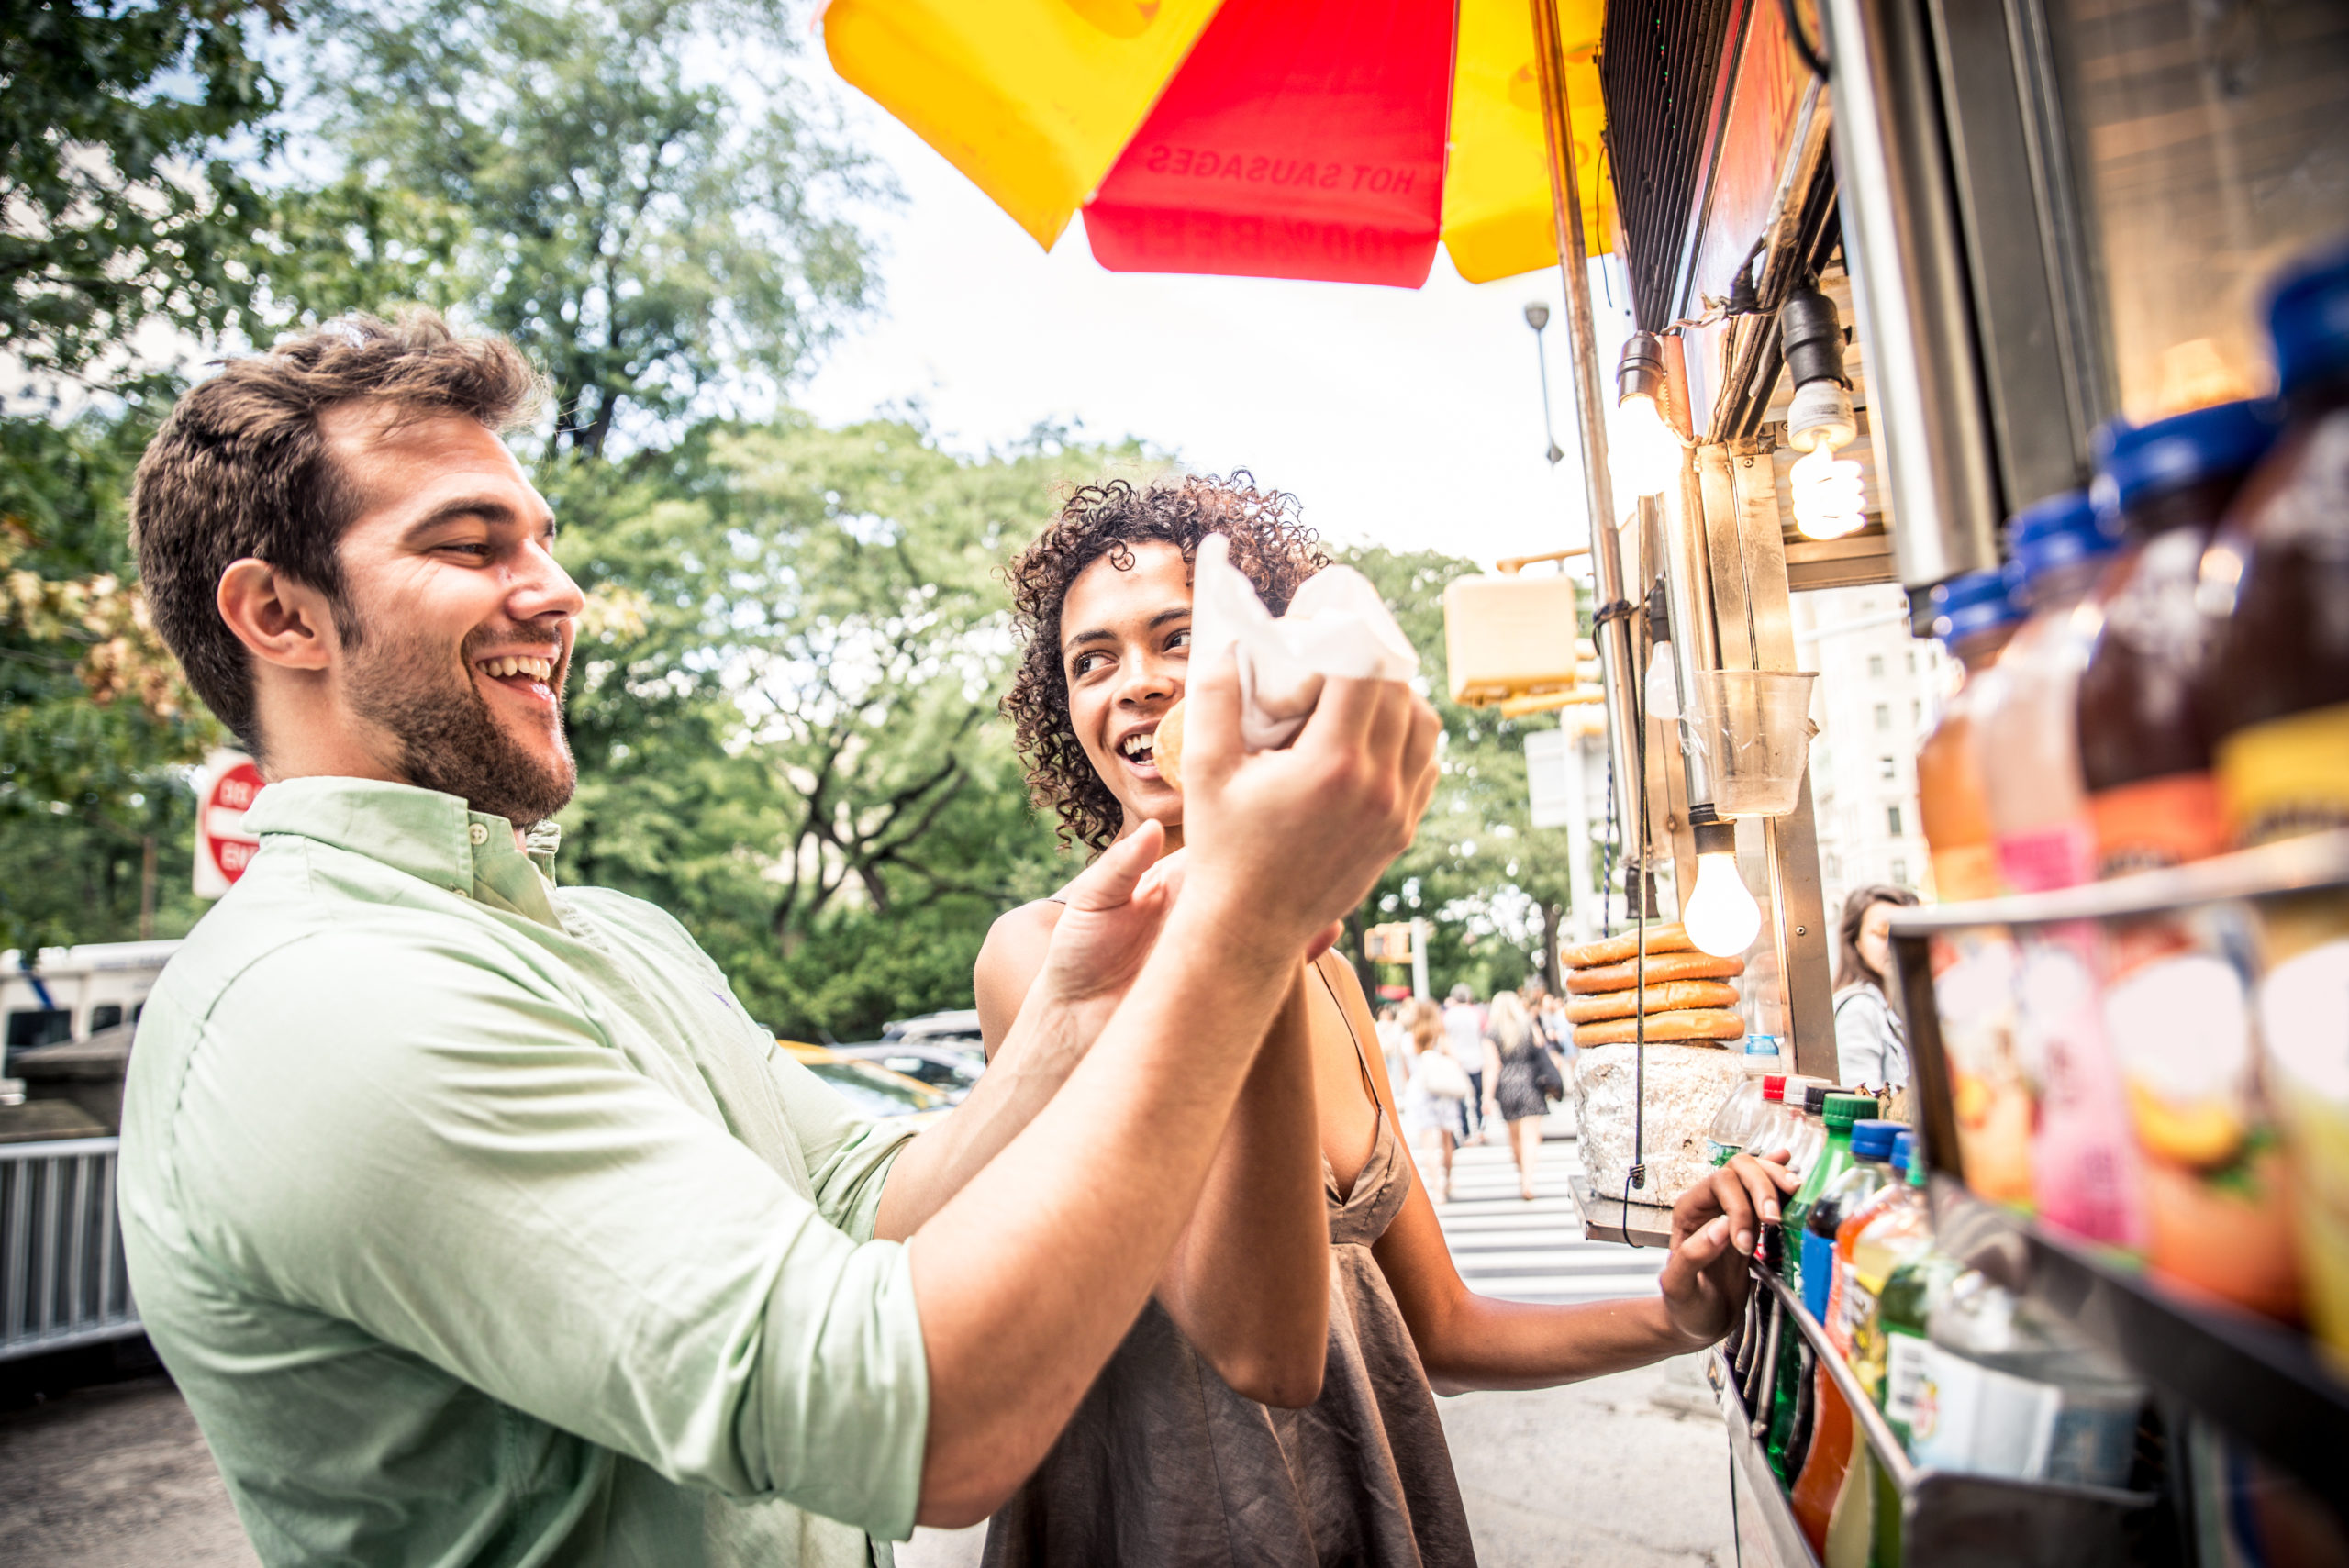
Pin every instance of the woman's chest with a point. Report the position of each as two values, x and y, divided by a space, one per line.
1343 1103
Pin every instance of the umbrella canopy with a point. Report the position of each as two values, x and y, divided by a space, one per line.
1338 139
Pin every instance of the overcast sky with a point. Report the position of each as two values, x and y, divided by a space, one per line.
1409 419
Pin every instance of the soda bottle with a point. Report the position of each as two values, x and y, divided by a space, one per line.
1910 1294
1975 616
2276 687
2144 760
1871 1169
2030 745
1742 1110
1792 1406
1894 1226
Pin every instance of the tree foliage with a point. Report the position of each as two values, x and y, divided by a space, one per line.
604 182
120 202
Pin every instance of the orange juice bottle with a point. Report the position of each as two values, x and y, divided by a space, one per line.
1975 616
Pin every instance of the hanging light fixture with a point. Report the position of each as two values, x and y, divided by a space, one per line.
1721 917
1646 449
1829 501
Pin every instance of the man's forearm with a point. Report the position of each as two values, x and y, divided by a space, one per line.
1028 1277
1045 1043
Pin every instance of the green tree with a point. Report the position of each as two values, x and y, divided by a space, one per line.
784 710
125 200
656 233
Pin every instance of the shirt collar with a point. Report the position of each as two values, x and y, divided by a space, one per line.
423 833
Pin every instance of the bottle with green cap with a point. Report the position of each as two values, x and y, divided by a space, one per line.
1791 1403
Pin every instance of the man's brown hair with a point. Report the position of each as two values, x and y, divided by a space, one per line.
240 469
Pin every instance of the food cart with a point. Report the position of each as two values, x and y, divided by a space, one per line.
1893 263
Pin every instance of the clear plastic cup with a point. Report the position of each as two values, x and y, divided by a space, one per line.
1753 727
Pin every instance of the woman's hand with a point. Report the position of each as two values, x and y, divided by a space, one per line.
1714 1228
1110 921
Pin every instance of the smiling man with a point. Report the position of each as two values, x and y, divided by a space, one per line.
475 1217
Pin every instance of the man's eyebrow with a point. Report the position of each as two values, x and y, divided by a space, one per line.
487 507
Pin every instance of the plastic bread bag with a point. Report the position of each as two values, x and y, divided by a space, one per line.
1336 625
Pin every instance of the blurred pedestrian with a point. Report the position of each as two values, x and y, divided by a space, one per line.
1869 1040
1524 1082
1464 1029
1435 1091
1394 1042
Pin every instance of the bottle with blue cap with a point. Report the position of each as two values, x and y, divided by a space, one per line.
1975 616
2144 756
2276 688
2030 752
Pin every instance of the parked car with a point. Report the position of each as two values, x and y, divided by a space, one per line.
869 1086
936 1028
950 1066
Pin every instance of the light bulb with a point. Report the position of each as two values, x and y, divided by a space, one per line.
1721 917
1828 499
1647 451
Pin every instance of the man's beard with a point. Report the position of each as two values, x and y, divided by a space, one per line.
448 739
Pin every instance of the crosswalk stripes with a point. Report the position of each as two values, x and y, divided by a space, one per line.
1507 1245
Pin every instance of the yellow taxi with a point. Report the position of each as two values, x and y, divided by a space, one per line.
871 1088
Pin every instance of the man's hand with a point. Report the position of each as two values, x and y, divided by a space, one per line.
1288 841
1714 1228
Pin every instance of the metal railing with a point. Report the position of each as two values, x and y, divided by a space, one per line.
62 1281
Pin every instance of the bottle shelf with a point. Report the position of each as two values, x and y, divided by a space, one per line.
2321 859
1766 1530
1950 1519
2261 1381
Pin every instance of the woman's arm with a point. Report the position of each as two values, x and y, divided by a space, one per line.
1467 1341
1249 1282
1492 1076
1860 1038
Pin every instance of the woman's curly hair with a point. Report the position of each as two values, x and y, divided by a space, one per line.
1269 547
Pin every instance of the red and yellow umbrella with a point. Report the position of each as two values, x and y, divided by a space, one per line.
1338 139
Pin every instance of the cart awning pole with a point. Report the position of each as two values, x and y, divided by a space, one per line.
1613 633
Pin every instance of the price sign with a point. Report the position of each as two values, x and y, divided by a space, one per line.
224 789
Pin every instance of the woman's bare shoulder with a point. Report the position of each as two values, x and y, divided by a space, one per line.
1008 964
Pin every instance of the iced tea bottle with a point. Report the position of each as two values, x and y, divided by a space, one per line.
2030 745
2276 691
2152 800
1975 616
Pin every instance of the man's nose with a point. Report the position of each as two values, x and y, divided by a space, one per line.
541 587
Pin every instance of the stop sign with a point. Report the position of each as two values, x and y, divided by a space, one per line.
223 848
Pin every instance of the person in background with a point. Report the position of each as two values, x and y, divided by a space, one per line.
1869 1040
1429 1069
1394 1040
1517 1065
1463 1030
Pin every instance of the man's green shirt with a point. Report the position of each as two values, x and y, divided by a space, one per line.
480 1224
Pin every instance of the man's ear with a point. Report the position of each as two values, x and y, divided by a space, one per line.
282 619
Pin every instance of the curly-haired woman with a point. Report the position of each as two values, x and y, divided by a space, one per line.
1273 1402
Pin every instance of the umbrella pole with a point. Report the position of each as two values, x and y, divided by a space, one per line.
1613 632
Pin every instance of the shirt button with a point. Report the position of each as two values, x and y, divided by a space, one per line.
477 833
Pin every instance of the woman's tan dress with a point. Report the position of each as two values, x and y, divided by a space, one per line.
1163 1465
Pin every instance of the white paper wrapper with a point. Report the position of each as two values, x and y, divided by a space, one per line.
1336 625
1686 1086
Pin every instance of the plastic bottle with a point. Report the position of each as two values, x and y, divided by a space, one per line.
1891 1227
1870 1170
1767 1132
1881 1230
1827 1462
1911 1292
2277 704
2152 800
2011 1392
2275 693
2029 740
1742 1110
1975 616
1792 1406
1806 1126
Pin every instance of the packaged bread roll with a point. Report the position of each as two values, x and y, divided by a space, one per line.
1660 967
1614 950
1667 997
1695 1024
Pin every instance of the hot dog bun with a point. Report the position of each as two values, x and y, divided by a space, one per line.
1660 967
1166 747
1700 1024
1663 999
1615 950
